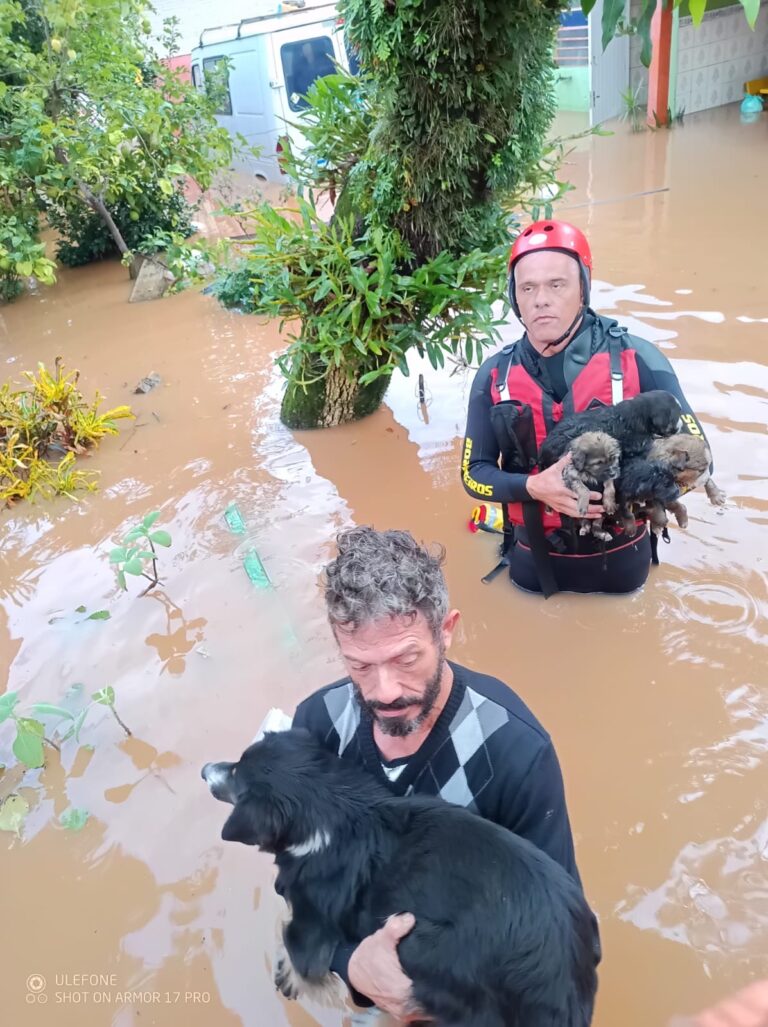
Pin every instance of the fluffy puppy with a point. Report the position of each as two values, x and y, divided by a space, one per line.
648 486
595 460
634 423
689 458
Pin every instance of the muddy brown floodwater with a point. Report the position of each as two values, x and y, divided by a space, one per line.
658 703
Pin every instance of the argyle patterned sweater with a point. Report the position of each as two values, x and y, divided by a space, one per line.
486 752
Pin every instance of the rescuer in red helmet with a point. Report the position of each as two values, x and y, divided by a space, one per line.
569 359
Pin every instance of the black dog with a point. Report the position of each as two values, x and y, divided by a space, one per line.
650 486
633 423
503 935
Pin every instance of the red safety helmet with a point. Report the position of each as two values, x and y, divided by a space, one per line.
552 235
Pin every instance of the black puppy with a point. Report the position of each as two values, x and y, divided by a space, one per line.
650 486
503 935
633 423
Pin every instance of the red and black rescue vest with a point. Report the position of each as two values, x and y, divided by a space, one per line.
609 375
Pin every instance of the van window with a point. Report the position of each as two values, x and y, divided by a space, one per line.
196 76
215 67
303 62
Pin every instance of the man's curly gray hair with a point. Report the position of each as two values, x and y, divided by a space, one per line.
380 574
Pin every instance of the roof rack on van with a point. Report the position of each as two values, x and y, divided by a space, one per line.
284 8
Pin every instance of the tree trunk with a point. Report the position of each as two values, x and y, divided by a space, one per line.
99 207
334 399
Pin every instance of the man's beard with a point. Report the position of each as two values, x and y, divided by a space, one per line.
401 727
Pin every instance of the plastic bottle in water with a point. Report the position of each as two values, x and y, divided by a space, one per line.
255 569
234 519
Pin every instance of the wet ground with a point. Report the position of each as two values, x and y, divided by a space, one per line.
658 703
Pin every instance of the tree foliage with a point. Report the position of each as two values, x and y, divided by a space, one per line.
464 92
91 118
430 156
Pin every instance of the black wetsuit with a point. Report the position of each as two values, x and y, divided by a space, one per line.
584 566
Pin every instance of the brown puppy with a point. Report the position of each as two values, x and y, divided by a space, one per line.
595 460
689 458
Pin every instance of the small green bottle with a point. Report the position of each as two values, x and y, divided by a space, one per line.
255 570
234 519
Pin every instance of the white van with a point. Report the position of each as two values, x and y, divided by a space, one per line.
275 58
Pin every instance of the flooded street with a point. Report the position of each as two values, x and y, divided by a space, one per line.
657 703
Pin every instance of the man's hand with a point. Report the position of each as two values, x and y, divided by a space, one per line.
549 488
747 1009
375 971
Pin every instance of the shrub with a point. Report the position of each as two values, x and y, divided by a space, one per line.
84 237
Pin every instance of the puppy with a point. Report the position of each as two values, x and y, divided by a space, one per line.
633 423
595 459
646 486
689 458
503 935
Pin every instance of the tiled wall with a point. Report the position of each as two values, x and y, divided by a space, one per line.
714 60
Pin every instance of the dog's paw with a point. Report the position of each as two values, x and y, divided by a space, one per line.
287 981
681 516
715 495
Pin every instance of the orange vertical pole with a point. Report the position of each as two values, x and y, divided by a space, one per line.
658 73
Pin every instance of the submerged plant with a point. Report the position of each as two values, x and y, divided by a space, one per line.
47 418
634 109
30 733
138 552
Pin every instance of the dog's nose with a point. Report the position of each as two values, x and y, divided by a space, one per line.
205 771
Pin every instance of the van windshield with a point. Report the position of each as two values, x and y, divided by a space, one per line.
303 62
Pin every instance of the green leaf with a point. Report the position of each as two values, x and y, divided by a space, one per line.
116 556
644 32
134 566
613 11
134 534
145 554
161 538
80 609
13 813
100 615
587 5
76 727
105 696
46 709
31 725
751 9
697 9
166 187
74 819
24 268
150 519
121 580
28 744
7 703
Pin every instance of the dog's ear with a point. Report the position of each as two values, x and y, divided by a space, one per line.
579 457
257 820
